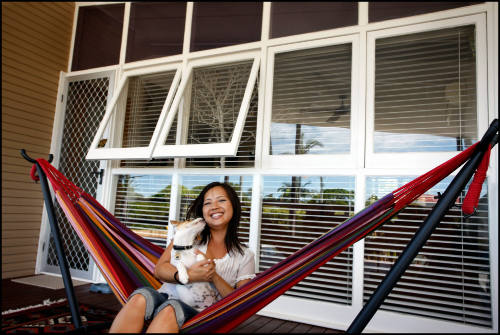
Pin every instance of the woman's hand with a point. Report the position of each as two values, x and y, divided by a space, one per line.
203 270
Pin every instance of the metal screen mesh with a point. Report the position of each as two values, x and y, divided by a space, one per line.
85 107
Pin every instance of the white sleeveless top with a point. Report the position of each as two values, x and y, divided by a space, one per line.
233 267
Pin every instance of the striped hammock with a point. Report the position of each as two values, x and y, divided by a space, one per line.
127 260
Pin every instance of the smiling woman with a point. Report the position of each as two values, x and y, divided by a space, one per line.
226 264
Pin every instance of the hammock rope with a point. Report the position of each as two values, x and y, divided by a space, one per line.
127 260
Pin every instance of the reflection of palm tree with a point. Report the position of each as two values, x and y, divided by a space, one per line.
294 191
302 148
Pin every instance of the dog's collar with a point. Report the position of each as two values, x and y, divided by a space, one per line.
182 247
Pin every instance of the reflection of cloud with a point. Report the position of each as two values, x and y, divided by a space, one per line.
405 142
148 185
335 140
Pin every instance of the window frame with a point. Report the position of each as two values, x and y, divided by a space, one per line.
423 159
200 150
315 160
312 311
116 121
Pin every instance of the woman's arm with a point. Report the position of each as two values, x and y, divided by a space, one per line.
165 271
223 287
200 271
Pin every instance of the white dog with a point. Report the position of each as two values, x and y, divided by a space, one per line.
199 294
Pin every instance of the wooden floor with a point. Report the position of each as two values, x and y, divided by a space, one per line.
16 295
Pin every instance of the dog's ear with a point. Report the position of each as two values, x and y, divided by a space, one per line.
174 222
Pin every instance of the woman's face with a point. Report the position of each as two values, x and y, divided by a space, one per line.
217 208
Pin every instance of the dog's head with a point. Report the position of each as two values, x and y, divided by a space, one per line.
188 231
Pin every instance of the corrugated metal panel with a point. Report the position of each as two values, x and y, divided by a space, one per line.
35 47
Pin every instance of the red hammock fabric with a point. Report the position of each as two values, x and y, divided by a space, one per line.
472 198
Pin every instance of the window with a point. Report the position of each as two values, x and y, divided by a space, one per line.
139 109
424 92
143 205
216 99
449 278
297 210
311 104
220 24
378 11
98 36
155 30
245 156
290 18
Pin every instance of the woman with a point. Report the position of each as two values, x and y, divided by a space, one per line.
227 265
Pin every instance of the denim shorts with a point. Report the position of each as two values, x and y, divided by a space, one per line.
156 301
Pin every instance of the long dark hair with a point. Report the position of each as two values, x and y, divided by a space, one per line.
195 210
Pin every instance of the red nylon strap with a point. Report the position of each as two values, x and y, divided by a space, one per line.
33 173
472 198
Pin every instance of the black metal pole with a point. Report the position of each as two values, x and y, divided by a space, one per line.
63 264
424 232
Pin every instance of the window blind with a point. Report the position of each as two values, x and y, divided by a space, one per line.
425 91
449 278
145 99
296 210
143 204
311 101
193 184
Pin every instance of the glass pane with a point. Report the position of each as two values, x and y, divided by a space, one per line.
378 11
311 101
425 91
98 36
245 156
143 204
450 277
220 24
216 96
193 184
156 29
145 100
297 210
290 18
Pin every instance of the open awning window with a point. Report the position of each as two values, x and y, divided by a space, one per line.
135 115
210 107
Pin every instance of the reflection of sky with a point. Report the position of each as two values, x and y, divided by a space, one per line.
191 181
335 140
148 185
406 142
271 184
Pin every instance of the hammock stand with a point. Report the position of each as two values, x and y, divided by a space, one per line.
474 155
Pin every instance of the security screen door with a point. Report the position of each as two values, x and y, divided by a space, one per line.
84 104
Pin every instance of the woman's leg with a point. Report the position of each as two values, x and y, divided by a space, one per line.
164 322
130 319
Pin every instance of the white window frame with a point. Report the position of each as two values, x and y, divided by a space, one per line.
117 112
320 160
334 315
424 159
209 149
